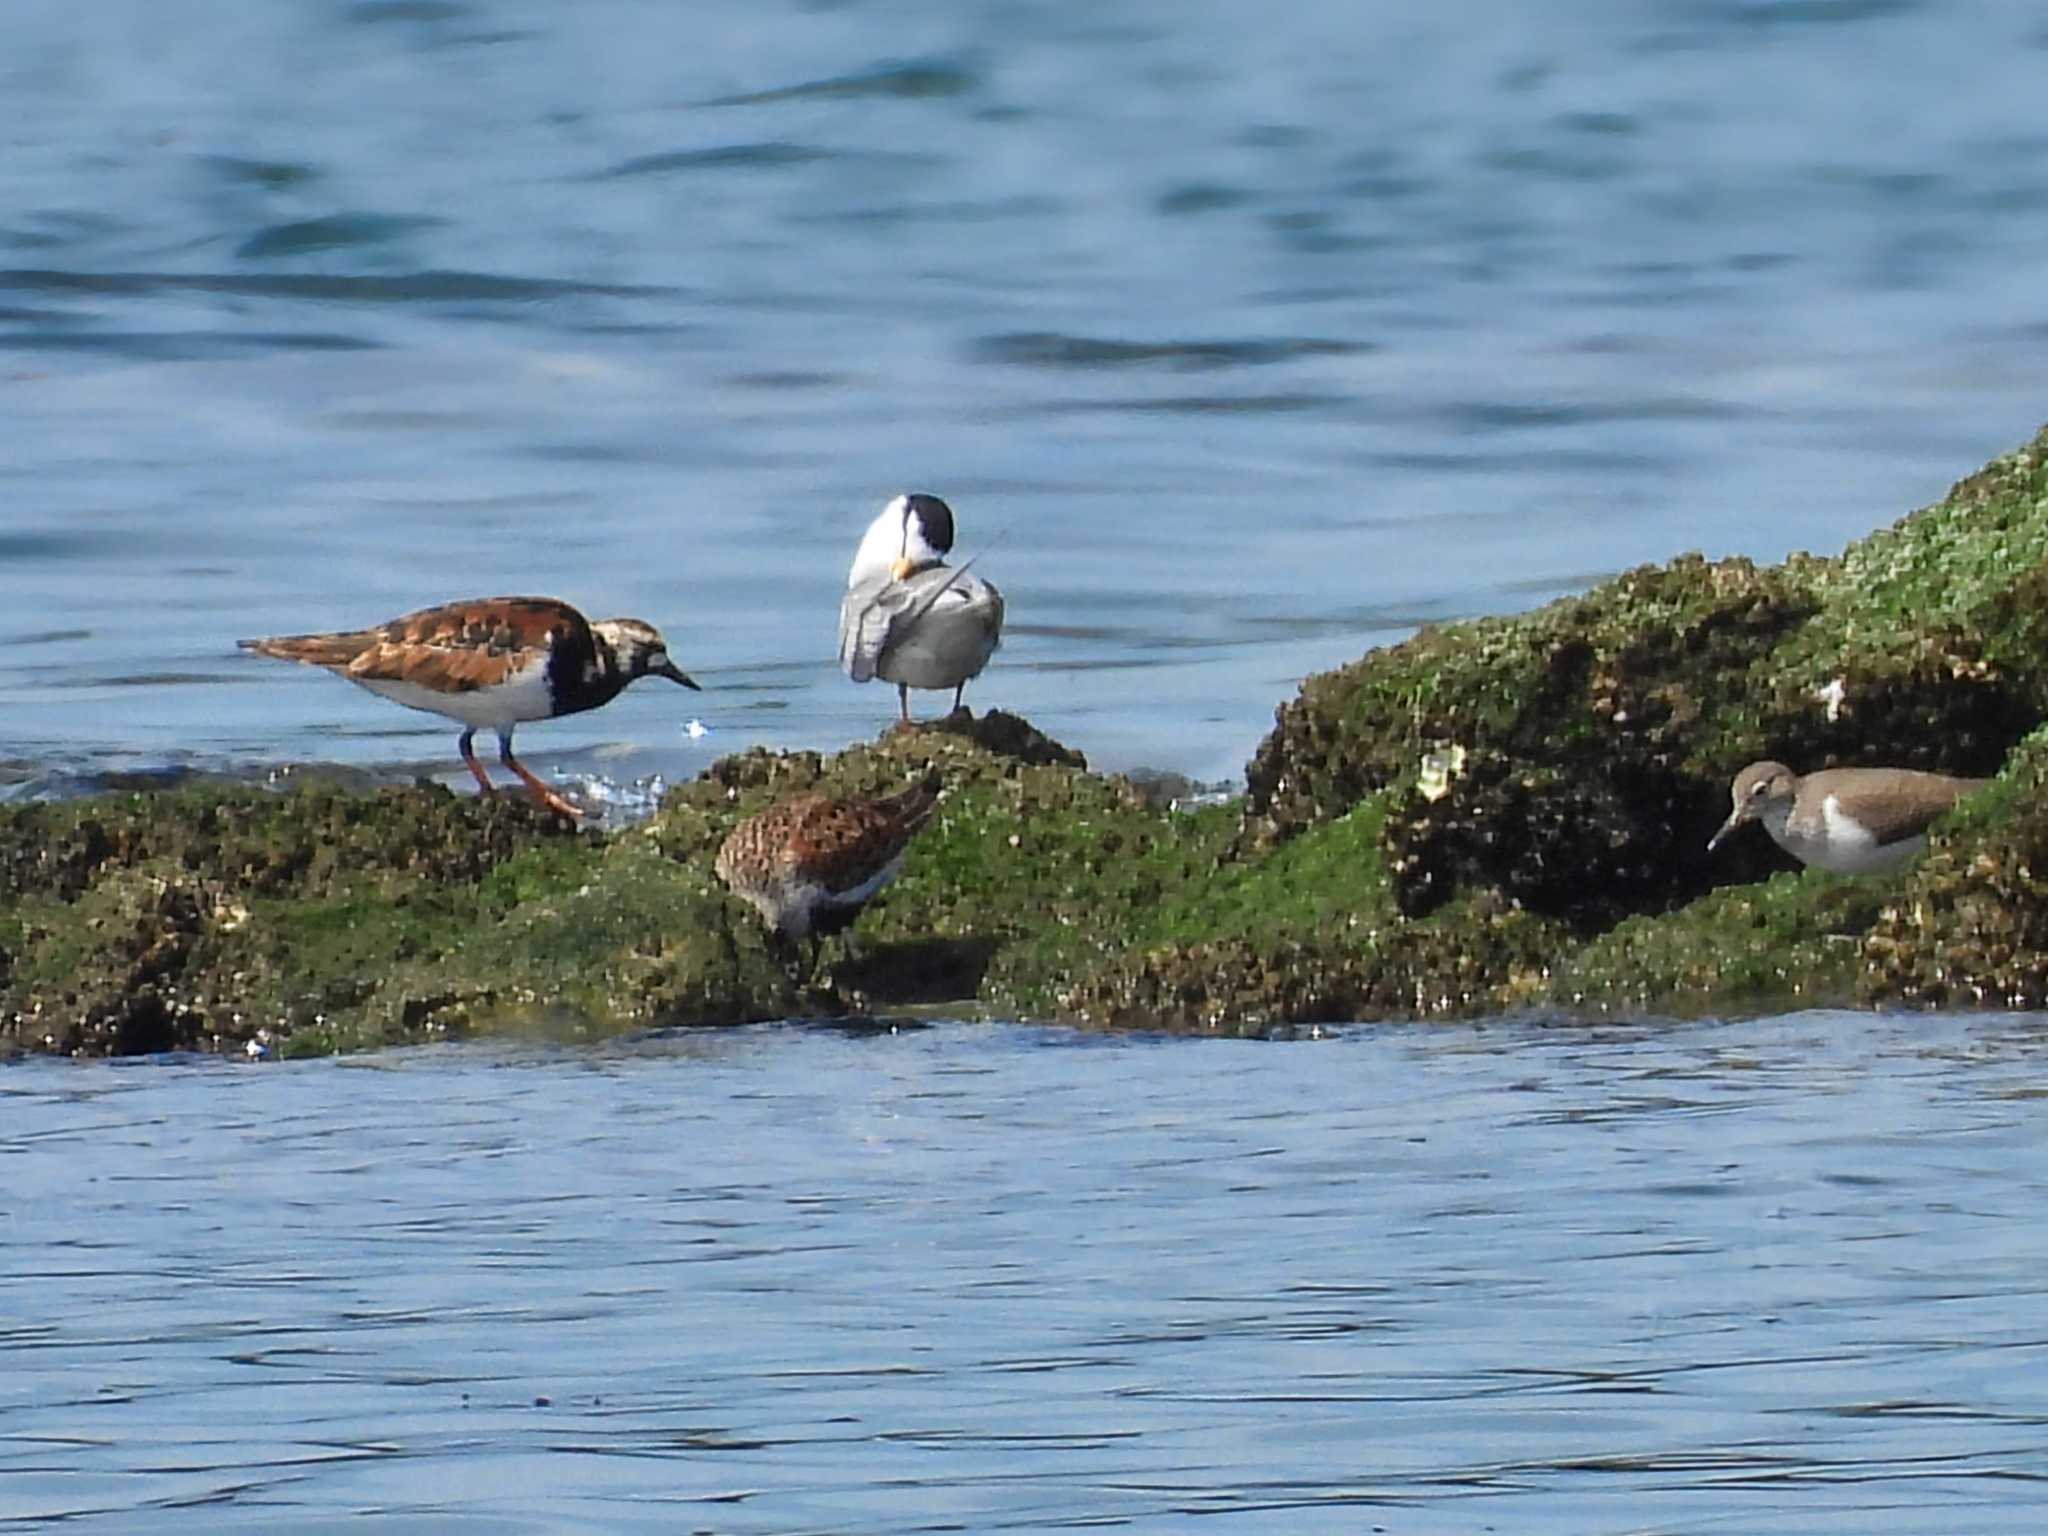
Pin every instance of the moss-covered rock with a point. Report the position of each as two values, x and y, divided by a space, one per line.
1598 734
1967 926
1504 814
1792 941
215 916
203 917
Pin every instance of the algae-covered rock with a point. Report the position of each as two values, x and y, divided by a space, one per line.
1794 940
1594 739
1509 813
194 918
214 916
1968 925
211 917
1598 735
1026 847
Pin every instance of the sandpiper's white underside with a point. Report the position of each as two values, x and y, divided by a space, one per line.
1837 842
522 696
793 902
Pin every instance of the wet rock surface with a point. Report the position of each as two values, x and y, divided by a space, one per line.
1505 814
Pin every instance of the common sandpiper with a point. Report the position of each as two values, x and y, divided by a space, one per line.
1849 821
806 864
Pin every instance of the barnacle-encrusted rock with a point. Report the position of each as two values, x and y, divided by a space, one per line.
1968 925
1506 814
214 916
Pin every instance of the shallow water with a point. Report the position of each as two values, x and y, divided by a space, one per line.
1773 1276
1238 348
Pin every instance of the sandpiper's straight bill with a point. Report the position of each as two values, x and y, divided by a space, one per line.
491 661
908 617
1849 821
806 864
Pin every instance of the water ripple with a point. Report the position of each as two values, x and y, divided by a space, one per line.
723 157
1048 349
391 288
928 80
849 1279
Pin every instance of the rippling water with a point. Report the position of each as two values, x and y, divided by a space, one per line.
1239 345
1766 1277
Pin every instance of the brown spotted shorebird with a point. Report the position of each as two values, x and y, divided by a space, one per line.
1849 821
908 617
806 864
491 661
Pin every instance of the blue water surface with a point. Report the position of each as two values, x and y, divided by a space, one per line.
1777 1276
1241 338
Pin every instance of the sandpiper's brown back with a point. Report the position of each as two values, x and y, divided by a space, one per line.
843 842
812 849
1893 803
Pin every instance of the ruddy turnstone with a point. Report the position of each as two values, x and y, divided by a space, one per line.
491 661
1849 821
908 617
807 863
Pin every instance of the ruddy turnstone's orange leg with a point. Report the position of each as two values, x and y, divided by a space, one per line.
475 767
543 794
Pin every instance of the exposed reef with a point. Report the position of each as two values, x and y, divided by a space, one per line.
1501 815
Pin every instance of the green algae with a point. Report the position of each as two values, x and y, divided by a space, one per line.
1505 814
206 917
1967 926
314 920
1791 941
1598 736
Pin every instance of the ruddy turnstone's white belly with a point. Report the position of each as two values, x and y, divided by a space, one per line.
521 696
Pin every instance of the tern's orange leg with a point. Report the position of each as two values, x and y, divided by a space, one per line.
543 794
475 767
902 703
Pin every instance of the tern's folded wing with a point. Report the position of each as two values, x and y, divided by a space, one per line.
885 613
866 615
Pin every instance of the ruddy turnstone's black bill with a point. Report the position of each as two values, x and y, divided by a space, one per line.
491 661
908 617
1849 821
807 863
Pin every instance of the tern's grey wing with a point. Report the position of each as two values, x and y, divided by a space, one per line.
934 629
989 602
867 614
